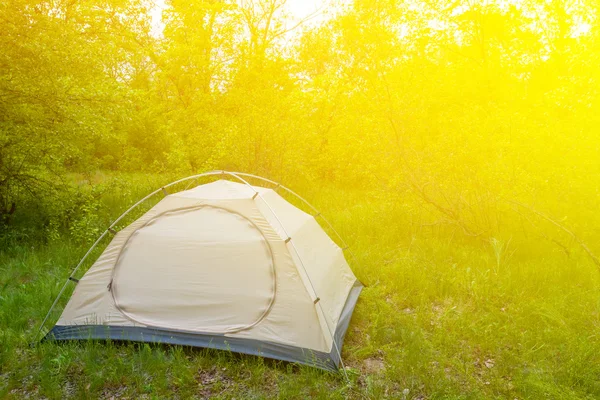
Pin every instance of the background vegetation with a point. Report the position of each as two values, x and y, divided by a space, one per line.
456 145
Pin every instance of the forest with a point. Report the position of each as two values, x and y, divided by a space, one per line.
454 144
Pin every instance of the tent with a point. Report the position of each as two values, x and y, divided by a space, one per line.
224 265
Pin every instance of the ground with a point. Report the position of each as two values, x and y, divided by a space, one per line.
441 317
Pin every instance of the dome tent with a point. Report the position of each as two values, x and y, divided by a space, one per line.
224 265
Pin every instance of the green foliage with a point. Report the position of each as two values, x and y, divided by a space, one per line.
62 95
464 108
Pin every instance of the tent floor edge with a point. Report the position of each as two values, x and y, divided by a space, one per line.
140 334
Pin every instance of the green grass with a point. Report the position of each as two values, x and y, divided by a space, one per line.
441 317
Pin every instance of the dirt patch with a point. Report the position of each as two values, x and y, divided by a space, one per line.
373 365
212 382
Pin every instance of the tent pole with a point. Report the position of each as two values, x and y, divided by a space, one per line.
64 286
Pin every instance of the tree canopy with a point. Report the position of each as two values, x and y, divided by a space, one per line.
473 108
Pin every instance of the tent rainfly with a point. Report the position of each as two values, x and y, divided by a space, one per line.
224 265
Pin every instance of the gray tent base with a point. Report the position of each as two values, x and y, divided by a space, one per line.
325 361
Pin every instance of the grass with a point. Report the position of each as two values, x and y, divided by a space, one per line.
441 317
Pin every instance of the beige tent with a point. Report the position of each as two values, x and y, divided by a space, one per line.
224 265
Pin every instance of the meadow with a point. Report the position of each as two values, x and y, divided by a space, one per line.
441 317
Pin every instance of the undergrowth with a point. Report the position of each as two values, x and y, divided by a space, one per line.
442 316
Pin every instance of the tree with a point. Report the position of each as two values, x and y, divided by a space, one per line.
63 90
